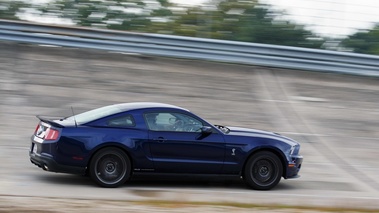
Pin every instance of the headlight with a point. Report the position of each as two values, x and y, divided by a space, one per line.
293 149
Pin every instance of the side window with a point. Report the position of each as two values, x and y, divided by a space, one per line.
158 121
151 120
122 121
186 123
170 121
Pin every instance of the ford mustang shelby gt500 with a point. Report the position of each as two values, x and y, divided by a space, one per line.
116 142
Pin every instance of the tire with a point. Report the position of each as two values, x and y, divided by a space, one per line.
263 171
110 167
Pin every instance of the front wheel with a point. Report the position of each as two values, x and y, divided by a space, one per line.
263 170
110 167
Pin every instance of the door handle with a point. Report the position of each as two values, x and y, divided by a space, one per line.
160 139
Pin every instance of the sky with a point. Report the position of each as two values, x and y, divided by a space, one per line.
331 17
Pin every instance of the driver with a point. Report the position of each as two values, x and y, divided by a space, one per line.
151 121
176 124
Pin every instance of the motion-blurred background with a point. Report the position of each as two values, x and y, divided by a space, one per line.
304 96
344 25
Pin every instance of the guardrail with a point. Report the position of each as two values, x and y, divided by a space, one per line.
192 48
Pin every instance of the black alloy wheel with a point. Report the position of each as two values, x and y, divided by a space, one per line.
110 167
263 170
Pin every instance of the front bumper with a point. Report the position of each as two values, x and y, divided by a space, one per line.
294 166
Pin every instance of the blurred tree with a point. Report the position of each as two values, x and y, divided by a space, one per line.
118 14
237 20
364 42
241 21
9 9
165 3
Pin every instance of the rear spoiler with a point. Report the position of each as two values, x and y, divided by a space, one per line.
50 120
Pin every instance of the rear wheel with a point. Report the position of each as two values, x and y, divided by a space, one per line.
263 170
110 167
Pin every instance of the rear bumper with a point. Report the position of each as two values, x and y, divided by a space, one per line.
294 166
47 163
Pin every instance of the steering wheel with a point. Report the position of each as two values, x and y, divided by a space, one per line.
178 124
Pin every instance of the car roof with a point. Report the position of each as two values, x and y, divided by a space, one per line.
145 105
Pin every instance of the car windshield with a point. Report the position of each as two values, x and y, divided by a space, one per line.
95 114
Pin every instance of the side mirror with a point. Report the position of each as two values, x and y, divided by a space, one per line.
206 129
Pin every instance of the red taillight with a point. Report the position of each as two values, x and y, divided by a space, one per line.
51 134
35 132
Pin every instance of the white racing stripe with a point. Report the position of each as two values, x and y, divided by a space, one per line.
304 134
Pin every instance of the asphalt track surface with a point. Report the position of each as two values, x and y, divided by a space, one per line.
334 117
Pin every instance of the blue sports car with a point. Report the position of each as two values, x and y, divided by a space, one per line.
113 143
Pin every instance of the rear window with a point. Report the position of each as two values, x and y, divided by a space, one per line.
122 121
95 114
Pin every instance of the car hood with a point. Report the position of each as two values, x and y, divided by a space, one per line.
239 131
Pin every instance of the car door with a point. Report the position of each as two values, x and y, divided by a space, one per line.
183 148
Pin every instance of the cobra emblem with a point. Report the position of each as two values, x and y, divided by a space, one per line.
233 151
